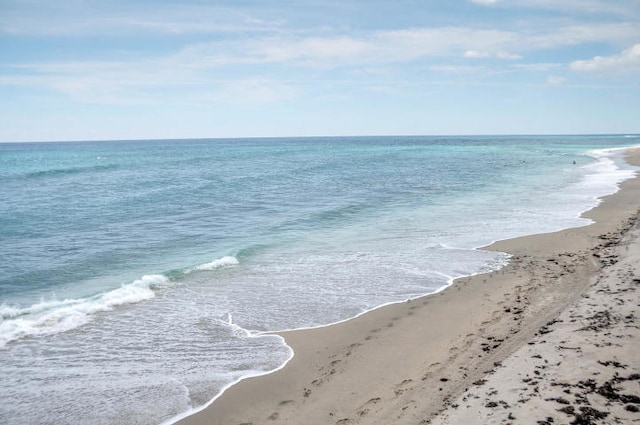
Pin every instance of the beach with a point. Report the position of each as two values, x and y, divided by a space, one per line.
550 337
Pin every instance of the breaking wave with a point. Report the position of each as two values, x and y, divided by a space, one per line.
54 316
227 261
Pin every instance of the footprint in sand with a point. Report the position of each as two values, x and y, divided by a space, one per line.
403 386
366 408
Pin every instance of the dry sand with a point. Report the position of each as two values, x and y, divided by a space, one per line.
551 338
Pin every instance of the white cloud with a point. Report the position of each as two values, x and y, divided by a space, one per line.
622 8
507 55
227 70
151 82
625 62
476 54
485 2
81 18
537 67
573 35
627 9
313 51
107 82
457 69
372 49
444 40
556 80
383 47
255 91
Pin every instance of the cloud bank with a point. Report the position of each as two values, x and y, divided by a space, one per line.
626 62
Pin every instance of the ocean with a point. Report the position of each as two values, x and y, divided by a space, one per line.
138 278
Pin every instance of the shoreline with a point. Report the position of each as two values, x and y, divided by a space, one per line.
392 365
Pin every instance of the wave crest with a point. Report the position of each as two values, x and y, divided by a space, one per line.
227 261
50 317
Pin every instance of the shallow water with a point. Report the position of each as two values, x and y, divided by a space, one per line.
136 277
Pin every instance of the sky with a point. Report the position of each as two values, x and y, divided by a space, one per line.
165 69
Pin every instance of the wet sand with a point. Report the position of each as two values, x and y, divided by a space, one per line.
551 337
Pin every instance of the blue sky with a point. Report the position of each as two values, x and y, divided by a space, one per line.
142 69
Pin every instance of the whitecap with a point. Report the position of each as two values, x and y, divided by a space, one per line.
226 261
54 316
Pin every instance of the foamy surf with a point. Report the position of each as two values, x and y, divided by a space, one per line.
54 316
227 261
604 176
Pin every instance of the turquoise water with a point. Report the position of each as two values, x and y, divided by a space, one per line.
136 277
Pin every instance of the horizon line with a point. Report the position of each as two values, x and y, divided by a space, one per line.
625 134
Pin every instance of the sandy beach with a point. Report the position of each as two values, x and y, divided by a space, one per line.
551 338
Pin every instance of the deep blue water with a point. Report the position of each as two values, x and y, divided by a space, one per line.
136 277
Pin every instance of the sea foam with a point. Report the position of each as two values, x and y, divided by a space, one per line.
604 176
54 316
218 263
